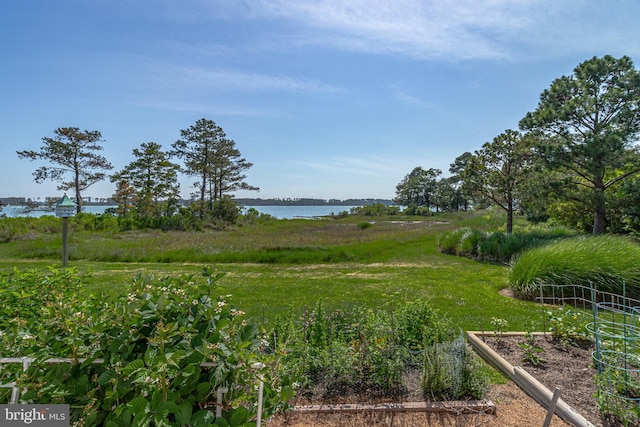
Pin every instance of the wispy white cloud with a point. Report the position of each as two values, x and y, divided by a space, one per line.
205 108
448 29
372 166
425 29
232 79
406 96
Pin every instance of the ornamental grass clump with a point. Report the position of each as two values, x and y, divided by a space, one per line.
497 246
449 242
606 262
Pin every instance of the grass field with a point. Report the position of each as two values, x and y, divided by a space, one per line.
275 266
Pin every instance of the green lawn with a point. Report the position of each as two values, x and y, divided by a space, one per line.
272 267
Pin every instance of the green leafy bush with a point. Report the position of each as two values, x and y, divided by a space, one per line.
22 228
375 209
568 325
225 210
155 344
419 325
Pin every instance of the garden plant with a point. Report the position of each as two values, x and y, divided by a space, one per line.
165 349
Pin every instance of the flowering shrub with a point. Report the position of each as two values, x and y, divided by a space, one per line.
167 348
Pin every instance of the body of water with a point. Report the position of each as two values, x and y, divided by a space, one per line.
15 211
290 212
280 212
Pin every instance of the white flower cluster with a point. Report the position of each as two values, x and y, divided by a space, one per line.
220 305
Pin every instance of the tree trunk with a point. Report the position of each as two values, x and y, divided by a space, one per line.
203 188
78 199
509 217
599 214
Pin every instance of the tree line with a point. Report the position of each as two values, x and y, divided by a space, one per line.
147 189
574 159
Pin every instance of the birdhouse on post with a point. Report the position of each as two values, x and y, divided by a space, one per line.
65 207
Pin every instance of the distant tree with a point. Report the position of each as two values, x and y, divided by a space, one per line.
418 188
446 195
498 170
457 167
154 178
125 196
628 206
226 210
589 122
461 199
73 152
541 192
214 159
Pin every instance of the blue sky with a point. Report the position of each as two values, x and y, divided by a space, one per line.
327 98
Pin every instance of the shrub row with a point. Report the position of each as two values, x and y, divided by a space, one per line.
496 246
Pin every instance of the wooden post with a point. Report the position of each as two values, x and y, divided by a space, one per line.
64 209
552 407
65 241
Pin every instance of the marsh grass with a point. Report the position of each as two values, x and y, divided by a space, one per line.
607 262
274 267
296 241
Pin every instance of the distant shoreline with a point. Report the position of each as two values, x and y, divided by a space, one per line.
22 201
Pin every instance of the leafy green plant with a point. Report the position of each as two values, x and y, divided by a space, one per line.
469 242
419 325
568 325
617 398
359 349
166 348
531 349
449 241
499 326
498 246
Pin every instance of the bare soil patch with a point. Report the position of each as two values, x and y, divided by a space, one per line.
568 367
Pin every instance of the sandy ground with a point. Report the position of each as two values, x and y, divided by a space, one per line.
513 409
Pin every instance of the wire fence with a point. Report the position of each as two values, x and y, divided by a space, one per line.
616 333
